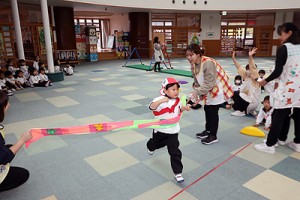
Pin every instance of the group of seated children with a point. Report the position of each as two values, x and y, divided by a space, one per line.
265 112
17 78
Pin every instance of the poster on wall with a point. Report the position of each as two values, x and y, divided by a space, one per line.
194 38
42 40
80 42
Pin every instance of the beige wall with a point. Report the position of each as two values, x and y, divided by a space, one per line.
119 22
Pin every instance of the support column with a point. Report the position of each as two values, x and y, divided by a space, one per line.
16 19
47 35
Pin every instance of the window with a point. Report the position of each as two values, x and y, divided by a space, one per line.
100 26
157 23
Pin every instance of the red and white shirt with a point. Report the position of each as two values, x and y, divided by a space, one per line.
167 110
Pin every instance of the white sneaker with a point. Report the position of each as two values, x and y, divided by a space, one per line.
264 148
294 146
150 152
238 113
276 145
179 178
282 143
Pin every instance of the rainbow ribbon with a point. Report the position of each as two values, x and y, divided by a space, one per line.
38 133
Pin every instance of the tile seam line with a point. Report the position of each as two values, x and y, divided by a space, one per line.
210 171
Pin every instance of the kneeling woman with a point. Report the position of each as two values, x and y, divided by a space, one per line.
10 177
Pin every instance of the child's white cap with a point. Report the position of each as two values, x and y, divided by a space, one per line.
167 81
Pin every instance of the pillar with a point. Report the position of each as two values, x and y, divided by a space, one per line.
16 19
47 35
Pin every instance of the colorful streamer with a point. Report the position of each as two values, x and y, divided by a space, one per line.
38 133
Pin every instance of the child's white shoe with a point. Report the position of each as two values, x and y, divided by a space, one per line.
179 178
150 152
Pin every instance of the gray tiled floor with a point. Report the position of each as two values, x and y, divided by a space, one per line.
115 165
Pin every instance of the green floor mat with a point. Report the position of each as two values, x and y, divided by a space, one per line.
140 66
177 72
167 71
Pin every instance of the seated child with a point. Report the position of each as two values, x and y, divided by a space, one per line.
10 66
237 83
168 106
44 77
57 65
36 62
68 69
261 74
236 88
3 85
195 102
42 65
24 68
11 82
21 79
265 114
35 80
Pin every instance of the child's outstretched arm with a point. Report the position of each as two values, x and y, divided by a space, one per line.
155 104
187 108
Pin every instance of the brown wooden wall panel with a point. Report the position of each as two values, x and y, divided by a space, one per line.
276 42
65 28
139 33
212 47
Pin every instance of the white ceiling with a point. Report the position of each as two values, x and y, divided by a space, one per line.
108 10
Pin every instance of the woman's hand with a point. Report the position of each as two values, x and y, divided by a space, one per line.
255 125
25 137
252 51
266 128
233 55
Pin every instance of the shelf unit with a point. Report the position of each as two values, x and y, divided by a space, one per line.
67 55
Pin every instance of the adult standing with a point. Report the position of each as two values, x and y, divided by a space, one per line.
286 100
211 83
10 177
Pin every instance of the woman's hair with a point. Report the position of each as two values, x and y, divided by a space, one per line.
286 27
195 48
3 104
155 40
